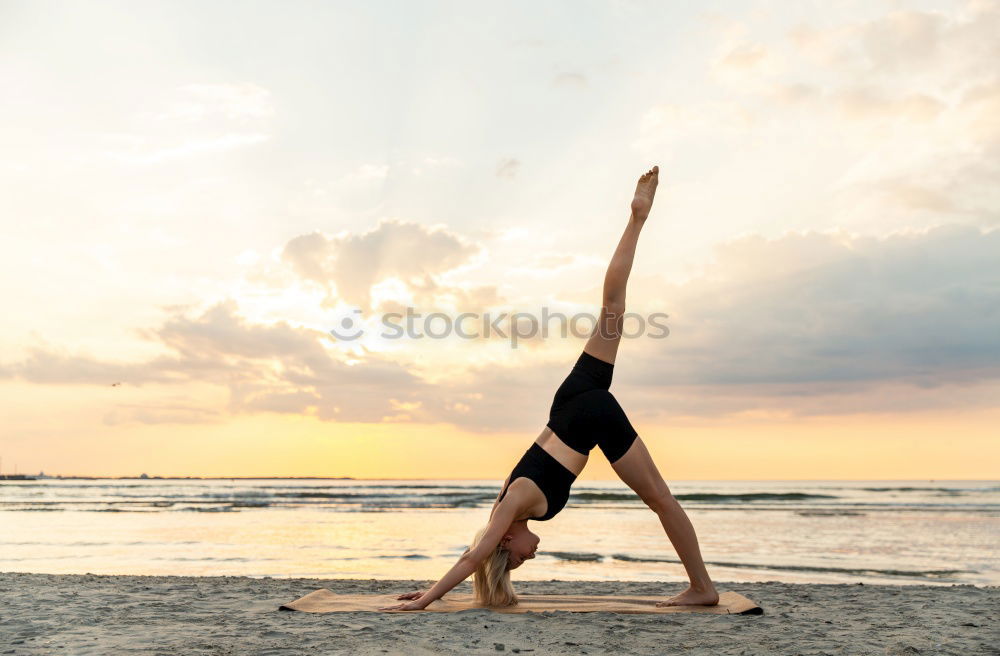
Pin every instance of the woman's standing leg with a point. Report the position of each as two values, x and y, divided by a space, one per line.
637 469
603 343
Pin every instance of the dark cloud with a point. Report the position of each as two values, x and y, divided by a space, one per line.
812 323
809 314
47 366
275 367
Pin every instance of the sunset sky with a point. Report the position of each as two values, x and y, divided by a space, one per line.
192 194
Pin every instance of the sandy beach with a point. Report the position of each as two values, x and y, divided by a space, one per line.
90 614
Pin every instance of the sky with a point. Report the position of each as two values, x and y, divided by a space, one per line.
193 195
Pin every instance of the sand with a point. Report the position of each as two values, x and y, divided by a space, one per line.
88 614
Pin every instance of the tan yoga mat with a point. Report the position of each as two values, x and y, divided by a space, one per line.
326 601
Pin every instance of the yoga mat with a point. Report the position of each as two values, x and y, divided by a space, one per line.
326 601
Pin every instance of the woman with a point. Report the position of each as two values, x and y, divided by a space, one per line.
584 414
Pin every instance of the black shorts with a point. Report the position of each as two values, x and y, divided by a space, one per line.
584 414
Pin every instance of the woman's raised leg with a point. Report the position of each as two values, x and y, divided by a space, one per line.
637 469
603 342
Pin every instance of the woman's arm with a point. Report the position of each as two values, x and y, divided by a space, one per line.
497 500
419 593
470 560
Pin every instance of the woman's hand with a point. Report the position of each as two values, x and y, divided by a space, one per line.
466 565
417 594
412 605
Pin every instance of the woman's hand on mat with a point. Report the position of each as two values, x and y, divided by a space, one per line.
416 594
412 605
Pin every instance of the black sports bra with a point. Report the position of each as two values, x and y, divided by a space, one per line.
548 474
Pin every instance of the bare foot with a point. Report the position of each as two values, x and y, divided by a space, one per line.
644 192
691 597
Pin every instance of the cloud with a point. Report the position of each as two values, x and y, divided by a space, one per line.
190 121
864 103
804 315
365 173
353 263
194 147
981 105
548 261
744 56
570 80
229 101
282 368
127 413
894 122
666 124
508 168
51 366
431 163
906 194
273 367
808 323
899 54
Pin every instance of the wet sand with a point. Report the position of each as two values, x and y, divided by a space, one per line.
175 616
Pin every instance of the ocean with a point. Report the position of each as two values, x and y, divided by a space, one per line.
903 532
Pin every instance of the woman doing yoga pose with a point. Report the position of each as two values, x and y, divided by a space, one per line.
584 414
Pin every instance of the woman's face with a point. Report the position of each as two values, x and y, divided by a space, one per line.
521 545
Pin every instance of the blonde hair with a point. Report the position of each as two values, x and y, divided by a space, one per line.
491 584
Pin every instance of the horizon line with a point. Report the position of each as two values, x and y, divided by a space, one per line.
21 476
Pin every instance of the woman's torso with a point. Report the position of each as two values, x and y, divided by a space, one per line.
569 458
549 477
551 464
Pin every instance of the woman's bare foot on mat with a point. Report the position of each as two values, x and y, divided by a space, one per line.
644 192
692 597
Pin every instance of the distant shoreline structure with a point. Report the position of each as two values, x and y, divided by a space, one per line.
144 477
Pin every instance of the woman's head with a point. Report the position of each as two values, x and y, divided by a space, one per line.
520 543
491 580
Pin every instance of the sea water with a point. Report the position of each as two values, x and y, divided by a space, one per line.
905 532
